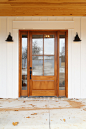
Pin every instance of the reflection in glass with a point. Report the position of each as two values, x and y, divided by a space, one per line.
48 65
37 65
49 44
37 44
62 62
24 62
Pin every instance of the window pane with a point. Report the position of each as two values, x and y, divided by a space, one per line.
37 65
49 44
37 44
24 62
62 62
48 65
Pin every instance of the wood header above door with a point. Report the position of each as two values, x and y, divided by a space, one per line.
42 8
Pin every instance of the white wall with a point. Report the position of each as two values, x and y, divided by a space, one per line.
9 52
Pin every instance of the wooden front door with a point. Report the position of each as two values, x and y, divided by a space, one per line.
43 64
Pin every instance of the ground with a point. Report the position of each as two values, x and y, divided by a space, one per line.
43 113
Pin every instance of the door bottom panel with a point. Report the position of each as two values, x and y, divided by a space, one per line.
43 93
24 93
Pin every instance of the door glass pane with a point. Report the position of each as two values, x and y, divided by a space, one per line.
37 65
48 65
24 62
62 62
49 44
37 44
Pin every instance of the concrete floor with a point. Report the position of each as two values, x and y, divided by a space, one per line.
43 113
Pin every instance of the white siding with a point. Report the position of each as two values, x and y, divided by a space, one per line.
83 58
9 52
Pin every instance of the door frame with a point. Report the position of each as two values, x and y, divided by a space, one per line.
59 92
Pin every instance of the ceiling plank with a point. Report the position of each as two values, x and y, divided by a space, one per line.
42 7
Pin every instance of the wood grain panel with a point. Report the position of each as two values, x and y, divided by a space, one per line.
66 64
43 93
57 63
24 93
61 92
28 63
43 77
50 85
42 8
19 64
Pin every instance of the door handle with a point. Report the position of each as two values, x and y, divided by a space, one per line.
30 72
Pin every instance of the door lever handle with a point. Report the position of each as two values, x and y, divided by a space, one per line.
30 72
30 76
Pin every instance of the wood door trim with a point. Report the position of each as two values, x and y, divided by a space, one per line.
66 64
57 64
28 64
20 61
41 30
57 58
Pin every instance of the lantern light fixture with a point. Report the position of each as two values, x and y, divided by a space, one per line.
9 38
76 38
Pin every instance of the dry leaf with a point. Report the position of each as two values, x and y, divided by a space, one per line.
32 105
56 101
34 114
23 101
84 109
15 123
28 117
16 110
64 120
46 119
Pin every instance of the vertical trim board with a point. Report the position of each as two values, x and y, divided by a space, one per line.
3 55
69 63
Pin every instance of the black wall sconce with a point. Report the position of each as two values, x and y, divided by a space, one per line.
9 38
76 38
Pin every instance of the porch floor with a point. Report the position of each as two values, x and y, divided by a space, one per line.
43 113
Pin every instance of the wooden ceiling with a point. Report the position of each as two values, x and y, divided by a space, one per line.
42 7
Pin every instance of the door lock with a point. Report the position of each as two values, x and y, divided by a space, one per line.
30 72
